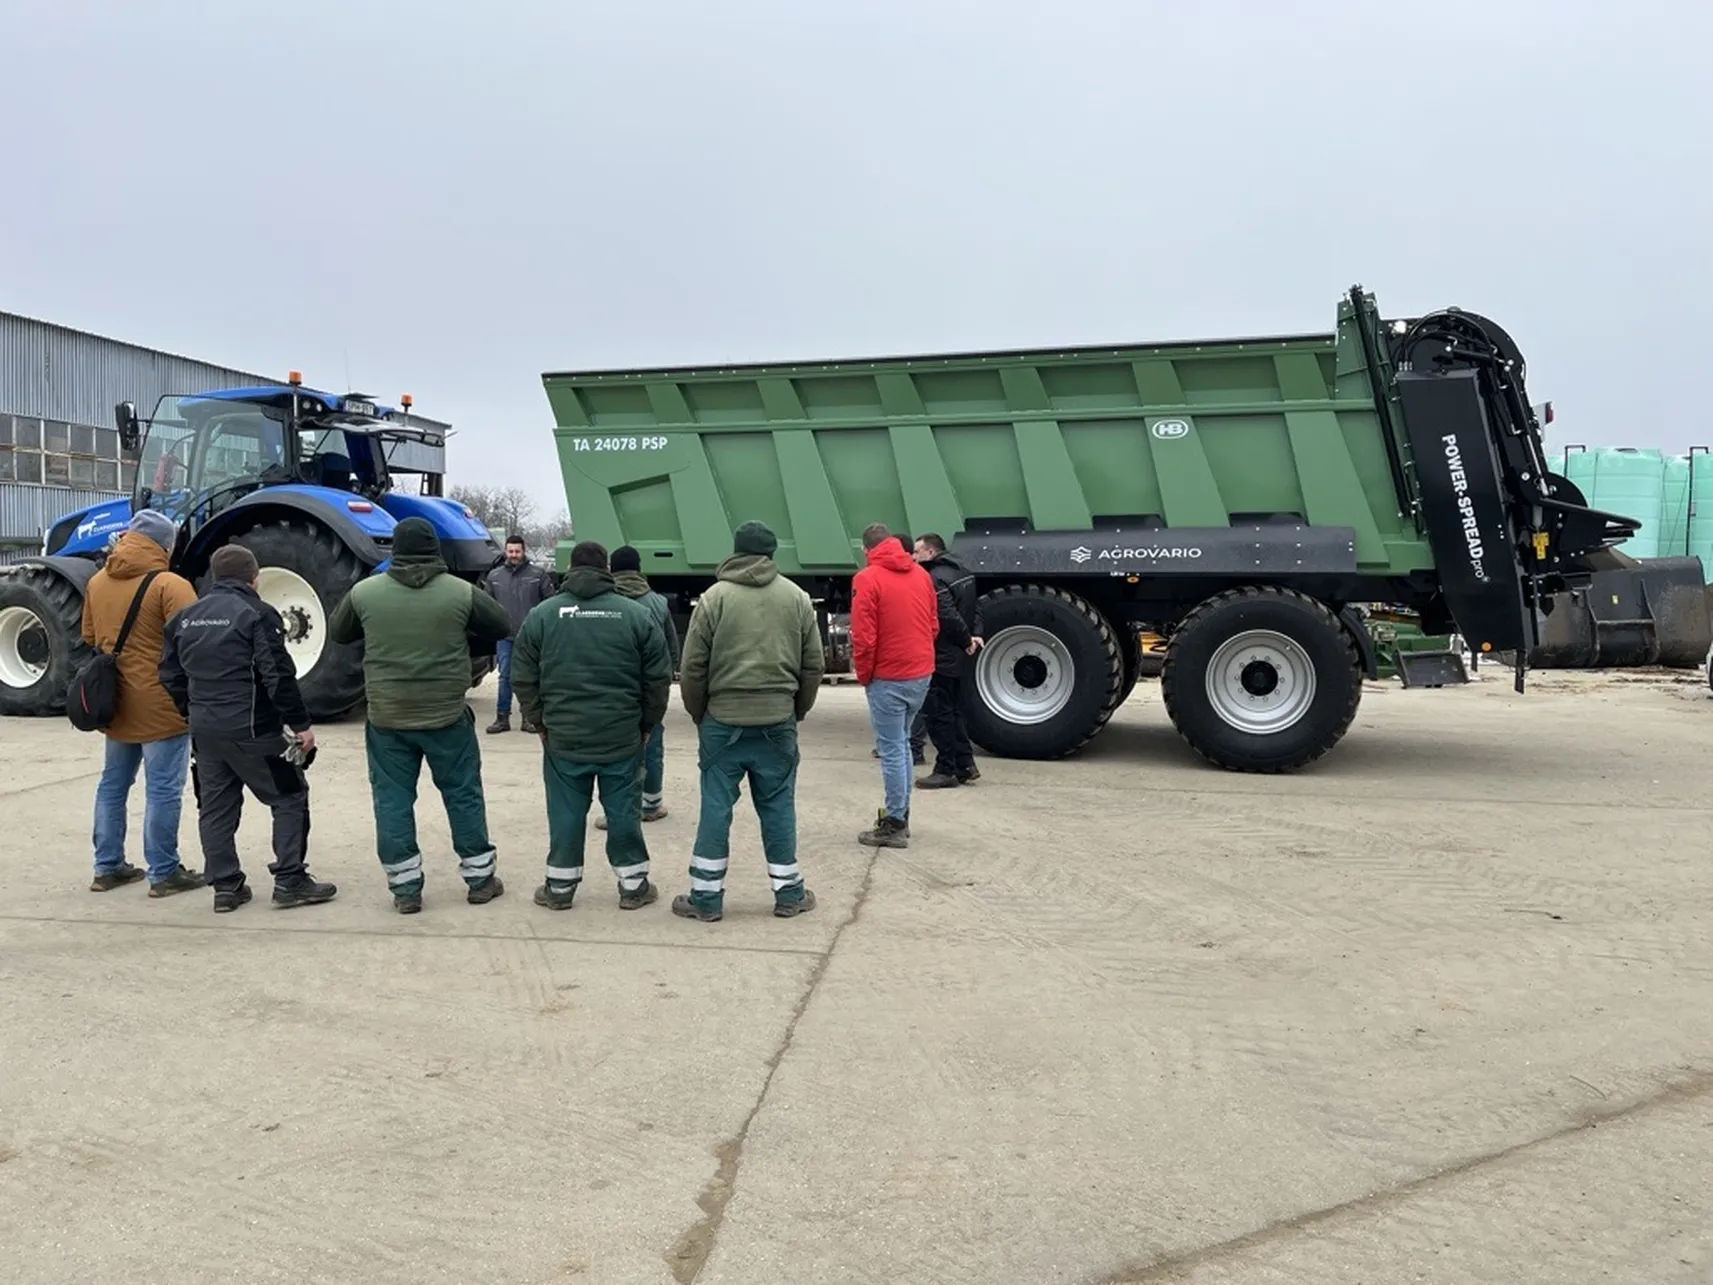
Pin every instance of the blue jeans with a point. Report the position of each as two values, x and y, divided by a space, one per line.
892 707
165 763
503 667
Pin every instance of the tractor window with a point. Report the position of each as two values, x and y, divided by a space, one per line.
324 458
237 446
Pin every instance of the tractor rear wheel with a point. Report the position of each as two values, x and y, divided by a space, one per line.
306 572
41 641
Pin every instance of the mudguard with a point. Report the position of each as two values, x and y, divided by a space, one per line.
1364 641
359 522
75 571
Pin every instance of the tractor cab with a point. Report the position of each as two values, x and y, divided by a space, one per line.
200 453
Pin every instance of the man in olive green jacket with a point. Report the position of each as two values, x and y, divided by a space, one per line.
591 669
416 622
752 669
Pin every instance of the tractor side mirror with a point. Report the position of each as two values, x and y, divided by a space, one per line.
130 431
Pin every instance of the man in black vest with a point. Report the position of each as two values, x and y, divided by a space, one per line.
959 639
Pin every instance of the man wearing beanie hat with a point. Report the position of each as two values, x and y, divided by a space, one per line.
591 669
416 623
147 729
626 566
752 669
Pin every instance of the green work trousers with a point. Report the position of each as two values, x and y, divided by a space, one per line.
767 757
454 760
570 792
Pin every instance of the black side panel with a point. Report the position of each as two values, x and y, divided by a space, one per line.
470 558
1464 508
1245 551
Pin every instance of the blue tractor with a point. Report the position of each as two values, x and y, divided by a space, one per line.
303 479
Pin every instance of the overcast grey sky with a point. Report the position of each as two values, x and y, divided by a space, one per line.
450 199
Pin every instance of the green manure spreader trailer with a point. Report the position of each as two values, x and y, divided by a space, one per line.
1238 497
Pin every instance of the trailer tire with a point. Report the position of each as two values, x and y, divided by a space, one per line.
41 642
1261 679
306 572
1048 677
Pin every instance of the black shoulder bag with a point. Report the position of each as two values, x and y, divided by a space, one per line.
92 701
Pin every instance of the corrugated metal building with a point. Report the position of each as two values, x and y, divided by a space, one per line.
59 450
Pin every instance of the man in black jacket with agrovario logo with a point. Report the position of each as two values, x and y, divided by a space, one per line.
959 638
226 668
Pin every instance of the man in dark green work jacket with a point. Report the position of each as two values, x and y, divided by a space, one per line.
752 669
626 565
591 670
416 622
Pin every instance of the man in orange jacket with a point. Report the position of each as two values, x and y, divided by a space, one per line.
894 621
147 730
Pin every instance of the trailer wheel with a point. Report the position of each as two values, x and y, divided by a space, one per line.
41 642
1261 679
306 572
1048 677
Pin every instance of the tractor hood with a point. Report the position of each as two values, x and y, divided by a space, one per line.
87 532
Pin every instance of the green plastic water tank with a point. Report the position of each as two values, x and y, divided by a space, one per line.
1674 508
1701 509
1579 468
1631 480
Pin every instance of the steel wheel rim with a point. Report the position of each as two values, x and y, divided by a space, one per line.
15 670
1025 674
300 609
1260 681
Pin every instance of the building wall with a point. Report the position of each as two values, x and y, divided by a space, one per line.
59 449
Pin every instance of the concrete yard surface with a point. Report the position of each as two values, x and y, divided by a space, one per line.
1439 1008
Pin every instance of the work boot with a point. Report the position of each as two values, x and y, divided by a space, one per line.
302 890
545 896
408 905
783 909
226 902
531 729
684 908
481 894
180 880
660 813
502 723
646 895
938 781
118 877
888 832
969 776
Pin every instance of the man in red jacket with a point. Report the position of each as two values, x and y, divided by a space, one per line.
894 621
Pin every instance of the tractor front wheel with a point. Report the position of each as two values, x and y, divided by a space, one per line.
41 641
306 571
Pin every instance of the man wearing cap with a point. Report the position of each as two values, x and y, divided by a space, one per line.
591 669
752 669
147 731
626 566
416 622
226 667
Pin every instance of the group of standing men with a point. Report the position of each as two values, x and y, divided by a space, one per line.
590 661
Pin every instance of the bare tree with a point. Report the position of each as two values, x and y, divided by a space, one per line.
510 511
